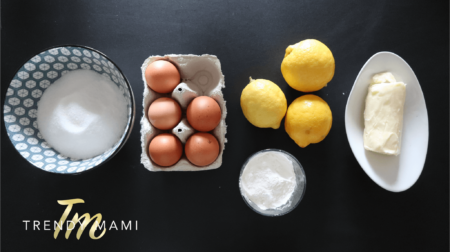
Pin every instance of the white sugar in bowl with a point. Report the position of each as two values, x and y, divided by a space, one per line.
26 89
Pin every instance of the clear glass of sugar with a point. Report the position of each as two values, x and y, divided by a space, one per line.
295 197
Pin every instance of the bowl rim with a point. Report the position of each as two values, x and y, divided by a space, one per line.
289 155
133 109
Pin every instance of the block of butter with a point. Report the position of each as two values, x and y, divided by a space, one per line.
383 115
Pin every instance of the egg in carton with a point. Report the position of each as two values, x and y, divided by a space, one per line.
200 76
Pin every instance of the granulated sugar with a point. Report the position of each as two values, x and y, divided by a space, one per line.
82 114
268 180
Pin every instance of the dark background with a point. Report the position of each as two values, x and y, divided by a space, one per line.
343 210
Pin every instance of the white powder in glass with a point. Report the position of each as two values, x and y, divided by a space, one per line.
82 114
268 180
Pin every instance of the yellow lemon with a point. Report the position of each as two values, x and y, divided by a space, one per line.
308 120
308 65
263 103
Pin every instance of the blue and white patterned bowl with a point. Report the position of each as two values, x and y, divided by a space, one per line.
27 87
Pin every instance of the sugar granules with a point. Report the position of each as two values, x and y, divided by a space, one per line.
268 180
82 114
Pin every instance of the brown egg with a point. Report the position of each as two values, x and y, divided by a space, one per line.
204 113
202 149
162 76
165 149
164 113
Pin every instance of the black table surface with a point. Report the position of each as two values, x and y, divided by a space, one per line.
343 209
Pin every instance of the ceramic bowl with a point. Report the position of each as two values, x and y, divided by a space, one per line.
297 195
27 87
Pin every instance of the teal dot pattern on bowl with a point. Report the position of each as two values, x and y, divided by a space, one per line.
27 87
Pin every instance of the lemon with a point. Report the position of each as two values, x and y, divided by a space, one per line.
308 120
308 65
263 103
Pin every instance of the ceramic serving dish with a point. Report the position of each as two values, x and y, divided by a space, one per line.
27 87
201 75
393 173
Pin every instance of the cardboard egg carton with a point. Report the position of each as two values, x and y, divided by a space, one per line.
200 76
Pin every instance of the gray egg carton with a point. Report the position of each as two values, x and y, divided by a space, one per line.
200 76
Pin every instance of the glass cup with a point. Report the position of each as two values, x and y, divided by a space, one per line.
296 196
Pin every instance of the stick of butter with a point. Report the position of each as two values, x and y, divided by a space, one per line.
383 116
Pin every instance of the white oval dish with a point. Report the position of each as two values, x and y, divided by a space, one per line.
393 173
